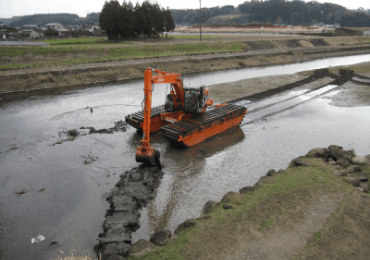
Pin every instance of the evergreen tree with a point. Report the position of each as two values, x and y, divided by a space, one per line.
109 19
139 20
127 19
170 24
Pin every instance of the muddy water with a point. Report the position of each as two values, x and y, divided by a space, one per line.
71 209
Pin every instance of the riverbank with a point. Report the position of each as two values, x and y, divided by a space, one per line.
225 54
315 209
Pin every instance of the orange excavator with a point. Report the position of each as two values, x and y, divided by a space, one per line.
183 118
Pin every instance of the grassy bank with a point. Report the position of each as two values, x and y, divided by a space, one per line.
63 52
112 74
75 52
306 205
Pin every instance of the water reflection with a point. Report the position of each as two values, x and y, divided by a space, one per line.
181 167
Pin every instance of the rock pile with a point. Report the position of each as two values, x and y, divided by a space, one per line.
346 163
135 189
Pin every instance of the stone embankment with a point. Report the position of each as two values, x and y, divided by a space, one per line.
137 187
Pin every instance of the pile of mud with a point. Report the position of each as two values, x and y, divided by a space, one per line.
347 32
319 42
135 189
72 134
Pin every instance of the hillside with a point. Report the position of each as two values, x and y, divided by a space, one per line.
228 19
279 12
42 19
276 12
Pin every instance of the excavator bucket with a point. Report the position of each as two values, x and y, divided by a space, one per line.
148 156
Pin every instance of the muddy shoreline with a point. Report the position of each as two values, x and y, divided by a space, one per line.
23 81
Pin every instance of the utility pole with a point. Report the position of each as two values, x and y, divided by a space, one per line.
200 10
335 24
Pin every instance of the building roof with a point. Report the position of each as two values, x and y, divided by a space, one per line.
28 30
62 29
54 24
7 29
30 26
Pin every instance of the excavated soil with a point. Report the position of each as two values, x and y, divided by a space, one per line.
319 42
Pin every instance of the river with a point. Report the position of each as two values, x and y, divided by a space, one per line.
71 208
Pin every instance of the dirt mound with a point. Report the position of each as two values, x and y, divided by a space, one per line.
347 32
293 43
319 42
260 45
135 189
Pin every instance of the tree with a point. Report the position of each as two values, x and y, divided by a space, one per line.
170 24
279 21
109 19
139 20
146 11
158 19
126 23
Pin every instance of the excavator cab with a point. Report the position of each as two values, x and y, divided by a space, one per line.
195 99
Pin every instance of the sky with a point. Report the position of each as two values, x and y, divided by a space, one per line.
10 8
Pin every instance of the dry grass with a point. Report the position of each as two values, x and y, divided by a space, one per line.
76 254
346 40
306 43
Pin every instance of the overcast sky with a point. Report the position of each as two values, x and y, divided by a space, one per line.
10 8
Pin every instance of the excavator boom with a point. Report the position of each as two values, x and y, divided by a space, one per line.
145 153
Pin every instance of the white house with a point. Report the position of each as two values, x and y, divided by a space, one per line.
8 32
30 33
53 26
62 31
95 30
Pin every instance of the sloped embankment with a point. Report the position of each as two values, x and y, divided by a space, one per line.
317 208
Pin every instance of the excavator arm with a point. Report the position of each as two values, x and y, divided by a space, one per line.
145 153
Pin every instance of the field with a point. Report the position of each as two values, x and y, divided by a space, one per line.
76 51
